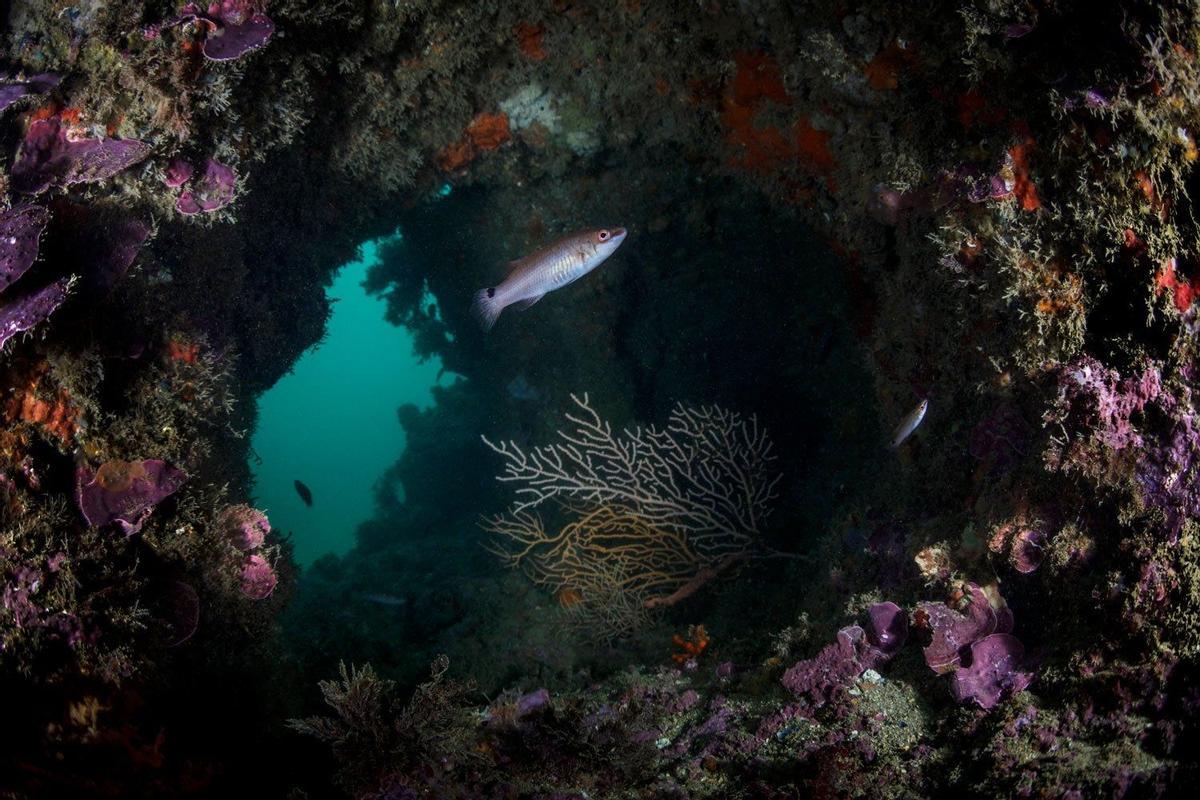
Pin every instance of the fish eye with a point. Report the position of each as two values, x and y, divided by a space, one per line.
603 236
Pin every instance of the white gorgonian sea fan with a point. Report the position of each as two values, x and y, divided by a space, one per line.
706 474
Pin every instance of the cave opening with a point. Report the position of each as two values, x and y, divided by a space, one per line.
718 297
330 422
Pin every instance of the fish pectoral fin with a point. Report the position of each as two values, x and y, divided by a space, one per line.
521 305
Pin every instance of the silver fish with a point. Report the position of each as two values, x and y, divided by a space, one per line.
553 267
909 424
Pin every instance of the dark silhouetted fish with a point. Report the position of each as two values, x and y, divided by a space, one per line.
304 492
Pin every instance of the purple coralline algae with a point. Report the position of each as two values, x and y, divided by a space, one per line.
125 492
233 41
25 312
888 629
1093 398
49 157
20 232
1136 415
822 677
20 598
245 527
121 248
232 28
993 672
531 702
258 578
978 647
1028 549
954 632
1167 471
215 189
13 89
177 173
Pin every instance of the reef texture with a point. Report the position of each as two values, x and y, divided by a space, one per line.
836 211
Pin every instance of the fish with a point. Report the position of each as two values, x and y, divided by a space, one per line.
384 599
553 267
519 388
910 423
304 492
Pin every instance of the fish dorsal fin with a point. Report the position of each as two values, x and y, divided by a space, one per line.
513 265
521 305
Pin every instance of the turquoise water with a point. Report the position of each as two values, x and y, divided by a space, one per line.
331 423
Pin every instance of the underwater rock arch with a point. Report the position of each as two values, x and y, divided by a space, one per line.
1003 188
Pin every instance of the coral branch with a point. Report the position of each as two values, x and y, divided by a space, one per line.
658 512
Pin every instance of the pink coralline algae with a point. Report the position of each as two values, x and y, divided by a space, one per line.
1028 549
258 578
993 672
124 492
1024 540
214 190
25 312
245 527
13 88
49 157
978 647
20 598
1137 415
954 632
231 28
822 677
533 701
20 232
1094 399
1169 471
177 173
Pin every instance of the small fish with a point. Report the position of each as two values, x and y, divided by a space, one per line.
304 492
910 423
553 267
384 599
519 388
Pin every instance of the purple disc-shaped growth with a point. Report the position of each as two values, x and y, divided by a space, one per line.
13 89
20 232
888 629
953 632
178 172
215 189
23 313
49 158
233 41
125 492
994 671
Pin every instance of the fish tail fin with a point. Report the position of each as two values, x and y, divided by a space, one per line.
486 308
